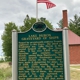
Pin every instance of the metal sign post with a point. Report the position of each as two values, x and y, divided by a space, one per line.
14 55
66 53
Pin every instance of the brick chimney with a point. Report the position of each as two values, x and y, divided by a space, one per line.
65 19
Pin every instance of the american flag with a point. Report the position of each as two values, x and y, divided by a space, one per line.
49 4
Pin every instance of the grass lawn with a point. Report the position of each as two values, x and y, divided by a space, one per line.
75 75
5 71
75 72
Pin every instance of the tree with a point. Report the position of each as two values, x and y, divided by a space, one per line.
7 35
7 38
74 25
28 23
60 23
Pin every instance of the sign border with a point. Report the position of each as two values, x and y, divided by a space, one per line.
15 55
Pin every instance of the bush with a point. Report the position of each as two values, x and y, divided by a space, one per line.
5 73
2 60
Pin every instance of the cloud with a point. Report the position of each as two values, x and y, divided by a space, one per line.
1 31
16 10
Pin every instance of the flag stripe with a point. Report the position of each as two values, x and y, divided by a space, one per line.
42 1
49 4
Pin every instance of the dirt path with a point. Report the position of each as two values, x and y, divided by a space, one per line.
75 69
4 65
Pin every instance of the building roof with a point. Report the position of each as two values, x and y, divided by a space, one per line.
73 39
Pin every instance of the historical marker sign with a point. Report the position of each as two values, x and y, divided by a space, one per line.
40 55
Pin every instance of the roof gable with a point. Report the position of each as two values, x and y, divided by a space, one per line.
73 38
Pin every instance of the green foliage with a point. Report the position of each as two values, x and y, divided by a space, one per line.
48 24
74 25
5 73
8 58
1 60
28 23
60 23
7 35
7 38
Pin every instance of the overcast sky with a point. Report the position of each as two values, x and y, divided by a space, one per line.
16 10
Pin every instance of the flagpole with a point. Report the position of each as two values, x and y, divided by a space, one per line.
36 11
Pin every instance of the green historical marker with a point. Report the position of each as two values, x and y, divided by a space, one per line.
40 54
